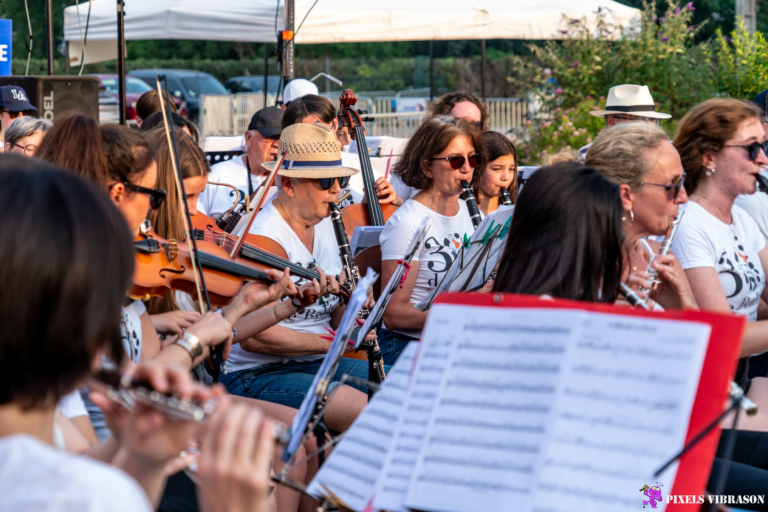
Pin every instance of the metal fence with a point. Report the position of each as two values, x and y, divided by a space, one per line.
229 114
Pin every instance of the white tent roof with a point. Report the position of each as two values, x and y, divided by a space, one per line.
331 21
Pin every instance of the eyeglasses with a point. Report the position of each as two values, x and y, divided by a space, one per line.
327 183
676 187
457 162
156 195
28 150
752 149
12 115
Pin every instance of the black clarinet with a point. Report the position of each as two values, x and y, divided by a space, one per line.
631 297
506 199
469 198
762 182
375 363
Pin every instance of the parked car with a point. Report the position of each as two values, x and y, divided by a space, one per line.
186 85
134 88
252 84
109 108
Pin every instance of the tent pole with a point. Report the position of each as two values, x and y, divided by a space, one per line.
289 24
266 72
49 35
121 60
66 57
431 71
482 67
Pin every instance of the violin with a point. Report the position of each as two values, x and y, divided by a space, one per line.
163 265
370 213
258 252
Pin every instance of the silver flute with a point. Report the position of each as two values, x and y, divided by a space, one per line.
653 274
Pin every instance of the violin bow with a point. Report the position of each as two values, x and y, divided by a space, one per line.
202 291
252 215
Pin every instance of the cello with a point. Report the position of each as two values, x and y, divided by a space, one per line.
371 212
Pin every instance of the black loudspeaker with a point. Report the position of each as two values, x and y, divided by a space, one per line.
54 95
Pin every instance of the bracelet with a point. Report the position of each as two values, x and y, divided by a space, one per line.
191 344
274 310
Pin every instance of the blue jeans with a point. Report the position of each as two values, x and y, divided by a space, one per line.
287 383
392 344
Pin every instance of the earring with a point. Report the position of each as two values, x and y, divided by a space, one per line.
631 217
711 171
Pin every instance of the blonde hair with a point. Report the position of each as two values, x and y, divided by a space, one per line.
619 152
560 157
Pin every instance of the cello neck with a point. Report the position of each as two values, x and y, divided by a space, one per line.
369 181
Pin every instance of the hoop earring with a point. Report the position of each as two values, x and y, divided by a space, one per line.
631 217
710 172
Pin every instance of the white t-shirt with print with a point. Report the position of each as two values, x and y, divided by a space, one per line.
37 477
325 254
130 329
404 191
442 243
216 199
702 240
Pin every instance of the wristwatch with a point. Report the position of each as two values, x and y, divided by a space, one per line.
191 344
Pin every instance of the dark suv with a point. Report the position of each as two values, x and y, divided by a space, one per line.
186 85
253 84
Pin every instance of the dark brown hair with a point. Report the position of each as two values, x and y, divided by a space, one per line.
149 103
74 143
128 153
66 263
167 220
582 262
156 119
444 105
705 129
302 107
432 137
497 145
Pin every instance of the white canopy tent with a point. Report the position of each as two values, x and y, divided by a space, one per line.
331 21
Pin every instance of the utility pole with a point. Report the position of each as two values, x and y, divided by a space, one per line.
747 11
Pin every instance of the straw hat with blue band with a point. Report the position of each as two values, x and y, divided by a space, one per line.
311 151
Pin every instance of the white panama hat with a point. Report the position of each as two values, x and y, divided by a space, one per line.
311 151
630 99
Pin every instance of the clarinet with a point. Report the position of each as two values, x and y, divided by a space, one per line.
345 253
469 197
763 182
506 199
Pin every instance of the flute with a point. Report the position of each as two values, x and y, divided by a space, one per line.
127 392
652 272
469 198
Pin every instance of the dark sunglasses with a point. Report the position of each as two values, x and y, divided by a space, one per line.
457 162
676 187
327 183
752 149
156 195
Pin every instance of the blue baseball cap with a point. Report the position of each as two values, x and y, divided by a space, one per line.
14 98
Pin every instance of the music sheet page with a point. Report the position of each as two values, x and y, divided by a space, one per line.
353 468
400 461
493 414
627 394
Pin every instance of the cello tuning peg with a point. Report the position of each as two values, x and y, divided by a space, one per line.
362 112
368 119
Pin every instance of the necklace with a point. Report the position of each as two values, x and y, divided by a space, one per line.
731 225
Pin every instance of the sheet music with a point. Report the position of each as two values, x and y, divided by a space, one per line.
463 266
364 237
431 362
628 392
493 413
354 466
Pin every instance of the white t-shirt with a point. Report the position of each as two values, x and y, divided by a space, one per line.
704 241
216 199
325 254
36 477
442 243
130 329
756 205
72 405
404 191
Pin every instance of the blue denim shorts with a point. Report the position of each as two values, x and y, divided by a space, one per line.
392 344
287 382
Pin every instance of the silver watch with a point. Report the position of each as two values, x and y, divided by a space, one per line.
191 344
